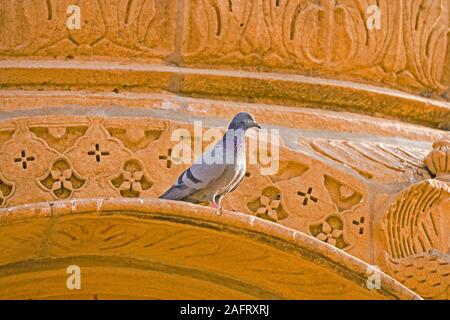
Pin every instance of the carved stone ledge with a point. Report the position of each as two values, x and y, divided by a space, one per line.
132 243
409 52
232 85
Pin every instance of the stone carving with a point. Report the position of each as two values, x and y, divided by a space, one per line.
373 197
329 37
128 28
326 38
85 157
427 273
360 223
76 157
289 170
132 179
268 205
135 139
150 241
421 219
96 154
331 231
62 180
59 137
25 158
438 160
416 229
6 190
377 161
344 196
307 196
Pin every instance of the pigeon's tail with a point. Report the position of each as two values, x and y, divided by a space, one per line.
176 192
169 194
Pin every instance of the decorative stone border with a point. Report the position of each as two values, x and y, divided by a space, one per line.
272 88
408 49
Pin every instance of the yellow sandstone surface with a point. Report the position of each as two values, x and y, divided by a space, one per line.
86 123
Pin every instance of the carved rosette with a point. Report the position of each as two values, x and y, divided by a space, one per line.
61 180
132 179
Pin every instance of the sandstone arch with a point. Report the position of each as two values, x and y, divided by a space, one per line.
159 249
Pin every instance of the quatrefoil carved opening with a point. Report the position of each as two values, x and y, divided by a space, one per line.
62 180
268 205
331 230
132 180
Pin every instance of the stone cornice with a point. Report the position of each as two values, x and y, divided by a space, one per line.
244 86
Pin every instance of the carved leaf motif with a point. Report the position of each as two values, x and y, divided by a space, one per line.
131 21
135 138
343 196
373 160
92 24
59 138
289 170
409 50
127 27
426 30
18 24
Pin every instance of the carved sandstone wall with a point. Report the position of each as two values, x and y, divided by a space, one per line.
410 50
89 113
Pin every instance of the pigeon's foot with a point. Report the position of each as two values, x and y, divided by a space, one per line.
215 205
218 208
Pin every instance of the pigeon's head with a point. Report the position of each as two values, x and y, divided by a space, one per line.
243 121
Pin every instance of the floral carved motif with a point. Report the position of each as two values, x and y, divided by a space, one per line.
132 180
268 205
62 180
331 231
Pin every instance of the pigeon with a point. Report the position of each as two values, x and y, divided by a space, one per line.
219 170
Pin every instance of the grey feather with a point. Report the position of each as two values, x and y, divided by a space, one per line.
209 180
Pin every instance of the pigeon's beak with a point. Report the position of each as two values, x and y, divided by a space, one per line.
257 125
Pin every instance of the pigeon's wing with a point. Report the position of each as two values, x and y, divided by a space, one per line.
240 171
234 183
199 176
